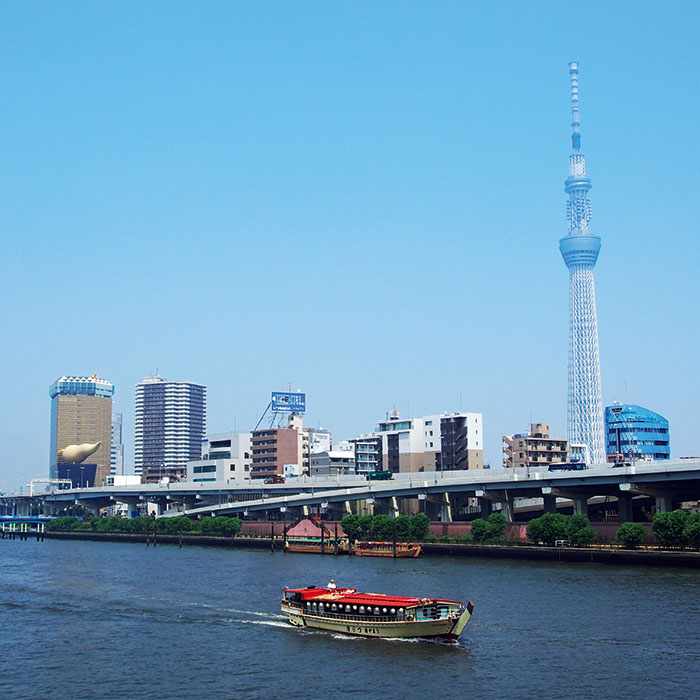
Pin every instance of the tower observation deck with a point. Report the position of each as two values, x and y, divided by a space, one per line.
580 249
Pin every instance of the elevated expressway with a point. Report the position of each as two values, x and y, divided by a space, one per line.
667 482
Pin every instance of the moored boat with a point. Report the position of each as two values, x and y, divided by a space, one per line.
386 549
316 545
346 611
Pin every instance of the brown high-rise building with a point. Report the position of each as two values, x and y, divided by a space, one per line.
81 417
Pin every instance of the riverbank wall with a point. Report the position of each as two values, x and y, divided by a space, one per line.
600 555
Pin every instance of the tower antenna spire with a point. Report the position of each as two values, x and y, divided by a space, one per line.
580 250
575 114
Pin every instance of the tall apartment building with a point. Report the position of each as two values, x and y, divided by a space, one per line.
225 457
169 425
446 442
116 462
81 414
636 432
535 449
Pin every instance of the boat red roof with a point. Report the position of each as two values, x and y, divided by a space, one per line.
350 595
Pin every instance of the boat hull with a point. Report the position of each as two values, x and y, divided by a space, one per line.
410 552
448 629
313 548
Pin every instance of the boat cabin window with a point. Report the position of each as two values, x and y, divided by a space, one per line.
292 596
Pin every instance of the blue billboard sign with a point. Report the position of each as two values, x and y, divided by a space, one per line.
287 402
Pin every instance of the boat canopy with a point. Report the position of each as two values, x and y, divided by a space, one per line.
350 595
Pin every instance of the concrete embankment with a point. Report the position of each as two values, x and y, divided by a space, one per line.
203 540
601 555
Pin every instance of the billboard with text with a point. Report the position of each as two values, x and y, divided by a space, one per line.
288 402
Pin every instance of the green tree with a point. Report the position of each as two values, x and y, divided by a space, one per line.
479 530
579 530
65 523
420 525
548 528
209 526
230 526
382 528
631 534
138 525
173 526
351 526
691 531
497 524
669 528
403 527
364 525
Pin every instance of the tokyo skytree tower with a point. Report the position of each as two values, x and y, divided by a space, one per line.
580 250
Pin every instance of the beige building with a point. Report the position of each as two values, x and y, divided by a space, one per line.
535 449
81 414
443 442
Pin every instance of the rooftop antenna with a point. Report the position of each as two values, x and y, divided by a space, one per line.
575 115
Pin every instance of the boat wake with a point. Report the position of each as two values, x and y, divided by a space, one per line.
266 623
237 611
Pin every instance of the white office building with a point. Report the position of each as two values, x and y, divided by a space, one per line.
338 461
225 458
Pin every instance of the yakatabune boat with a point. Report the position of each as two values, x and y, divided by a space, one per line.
386 549
346 611
316 545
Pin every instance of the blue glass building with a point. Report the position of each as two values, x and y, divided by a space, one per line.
637 432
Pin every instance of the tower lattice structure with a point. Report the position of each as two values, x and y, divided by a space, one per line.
580 250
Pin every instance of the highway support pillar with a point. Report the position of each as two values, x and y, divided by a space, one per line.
549 502
581 505
394 507
487 498
578 498
486 505
663 498
446 509
624 508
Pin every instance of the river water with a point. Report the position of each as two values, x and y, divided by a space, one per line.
114 620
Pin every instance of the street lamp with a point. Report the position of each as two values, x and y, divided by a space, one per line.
82 473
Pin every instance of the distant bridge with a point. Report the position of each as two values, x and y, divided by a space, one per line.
666 482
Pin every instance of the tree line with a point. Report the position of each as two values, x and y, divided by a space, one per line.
382 527
219 525
677 529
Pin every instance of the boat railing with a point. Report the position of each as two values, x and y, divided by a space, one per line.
354 618
419 617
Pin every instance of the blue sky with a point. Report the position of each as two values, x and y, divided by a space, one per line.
362 200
